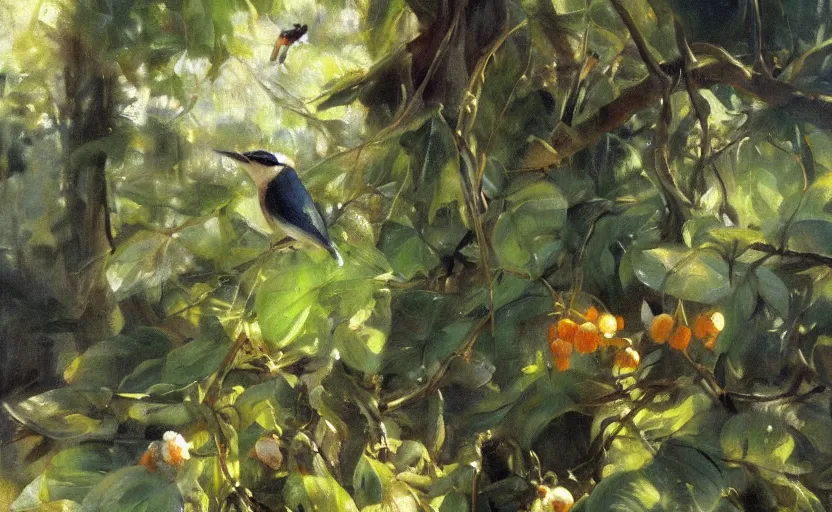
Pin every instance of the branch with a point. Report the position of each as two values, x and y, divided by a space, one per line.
811 107
788 253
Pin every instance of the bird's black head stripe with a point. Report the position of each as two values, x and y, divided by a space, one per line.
263 158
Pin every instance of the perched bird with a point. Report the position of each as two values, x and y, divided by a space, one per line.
284 200
286 39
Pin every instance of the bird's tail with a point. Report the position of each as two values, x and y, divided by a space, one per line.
336 254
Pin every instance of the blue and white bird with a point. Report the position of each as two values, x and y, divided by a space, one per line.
284 200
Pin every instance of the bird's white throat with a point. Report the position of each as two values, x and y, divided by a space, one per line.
261 174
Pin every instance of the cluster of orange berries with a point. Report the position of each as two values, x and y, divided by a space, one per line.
706 327
598 330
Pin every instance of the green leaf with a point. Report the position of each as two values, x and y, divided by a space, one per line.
682 475
322 493
822 359
727 238
760 439
525 235
70 476
436 163
545 400
136 489
629 491
406 251
198 358
67 413
470 373
455 502
812 236
286 302
695 275
773 290
270 404
370 480
145 261
105 363
143 376
170 416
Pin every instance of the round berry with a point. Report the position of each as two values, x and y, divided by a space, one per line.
661 327
552 334
702 326
627 359
680 339
567 329
560 348
608 325
591 314
719 321
587 338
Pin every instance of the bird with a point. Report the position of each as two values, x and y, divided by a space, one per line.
284 200
286 39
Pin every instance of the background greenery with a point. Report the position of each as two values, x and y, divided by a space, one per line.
487 167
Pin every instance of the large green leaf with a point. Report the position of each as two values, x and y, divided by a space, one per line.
682 476
695 275
70 476
144 262
370 481
760 439
406 250
136 489
361 339
67 413
812 236
436 164
106 363
314 492
198 358
822 359
525 235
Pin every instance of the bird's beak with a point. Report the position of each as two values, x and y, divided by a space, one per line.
231 154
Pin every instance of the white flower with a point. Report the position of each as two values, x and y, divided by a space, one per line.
175 450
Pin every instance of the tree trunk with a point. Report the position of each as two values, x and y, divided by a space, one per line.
89 116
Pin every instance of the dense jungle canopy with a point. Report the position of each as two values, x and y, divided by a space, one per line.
587 253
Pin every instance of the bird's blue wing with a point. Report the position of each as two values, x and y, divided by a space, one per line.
288 200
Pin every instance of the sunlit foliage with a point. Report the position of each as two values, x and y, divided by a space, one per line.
587 248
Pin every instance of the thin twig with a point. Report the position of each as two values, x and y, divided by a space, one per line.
788 253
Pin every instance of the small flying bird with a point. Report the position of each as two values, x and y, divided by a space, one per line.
284 200
286 39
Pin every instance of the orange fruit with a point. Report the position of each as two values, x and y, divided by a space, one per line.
710 342
702 325
680 339
587 338
567 329
607 324
560 348
706 325
627 358
591 314
619 321
661 327
552 334
562 363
